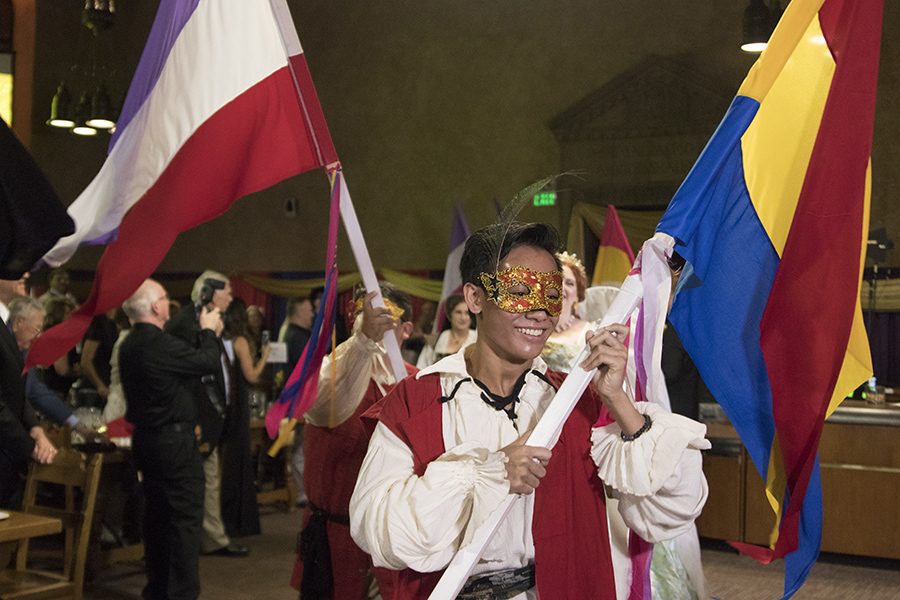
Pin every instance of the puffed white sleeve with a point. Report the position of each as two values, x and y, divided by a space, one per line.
343 379
406 521
657 478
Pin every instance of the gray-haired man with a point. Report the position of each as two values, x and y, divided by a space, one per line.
155 369
212 395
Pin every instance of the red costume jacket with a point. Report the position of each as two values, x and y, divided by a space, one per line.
332 459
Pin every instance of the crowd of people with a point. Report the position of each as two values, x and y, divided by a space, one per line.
134 366
394 476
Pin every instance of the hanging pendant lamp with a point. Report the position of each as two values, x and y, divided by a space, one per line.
60 108
101 115
758 27
81 115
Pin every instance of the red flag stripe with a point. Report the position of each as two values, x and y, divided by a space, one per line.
804 328
614 234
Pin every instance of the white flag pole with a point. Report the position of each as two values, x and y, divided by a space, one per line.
367 271
544 434
291 43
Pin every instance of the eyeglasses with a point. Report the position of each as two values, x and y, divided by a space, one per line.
35 329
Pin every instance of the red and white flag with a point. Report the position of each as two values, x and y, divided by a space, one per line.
221 105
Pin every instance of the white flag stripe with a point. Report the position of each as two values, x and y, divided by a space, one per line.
452 277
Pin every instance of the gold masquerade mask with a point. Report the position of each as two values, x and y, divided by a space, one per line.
521 290
396 311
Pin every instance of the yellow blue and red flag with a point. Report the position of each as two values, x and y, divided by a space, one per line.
772 221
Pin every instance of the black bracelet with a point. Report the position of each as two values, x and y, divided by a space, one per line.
644 429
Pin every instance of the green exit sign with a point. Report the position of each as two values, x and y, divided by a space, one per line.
545 199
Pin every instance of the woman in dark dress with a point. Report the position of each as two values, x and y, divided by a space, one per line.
239 509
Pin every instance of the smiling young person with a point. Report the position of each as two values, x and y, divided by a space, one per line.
448 446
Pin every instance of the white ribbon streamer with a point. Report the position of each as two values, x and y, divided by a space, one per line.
656 279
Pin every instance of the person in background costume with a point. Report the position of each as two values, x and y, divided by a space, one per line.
355 376
21 437
116 401
59 283
300 316
448 447
567 338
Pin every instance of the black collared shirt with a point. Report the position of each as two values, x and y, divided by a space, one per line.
296 338
155 368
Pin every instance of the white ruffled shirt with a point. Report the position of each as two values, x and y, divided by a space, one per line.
406 521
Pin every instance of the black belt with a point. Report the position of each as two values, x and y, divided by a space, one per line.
315 552
179 427
324 514
500 585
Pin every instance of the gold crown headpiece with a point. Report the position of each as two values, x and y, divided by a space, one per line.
396 311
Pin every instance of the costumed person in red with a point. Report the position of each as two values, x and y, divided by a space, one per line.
448 447
355 376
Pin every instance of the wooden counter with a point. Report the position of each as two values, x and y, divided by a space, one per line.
859 456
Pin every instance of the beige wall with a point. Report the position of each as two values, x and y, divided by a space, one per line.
431 103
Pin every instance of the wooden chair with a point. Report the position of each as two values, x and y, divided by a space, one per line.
71 470
259 446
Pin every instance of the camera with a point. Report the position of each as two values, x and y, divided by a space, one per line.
264 338
207 290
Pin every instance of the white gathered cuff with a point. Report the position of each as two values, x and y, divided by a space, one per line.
657 478
641 467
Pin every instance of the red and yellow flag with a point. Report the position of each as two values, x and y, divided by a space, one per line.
615 257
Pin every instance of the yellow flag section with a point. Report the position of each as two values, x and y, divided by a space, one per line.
612 266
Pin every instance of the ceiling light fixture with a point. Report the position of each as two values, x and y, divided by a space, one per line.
60 108
758 26
101 110
93 112
81 115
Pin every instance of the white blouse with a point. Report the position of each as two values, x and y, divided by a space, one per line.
406 521
432 354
